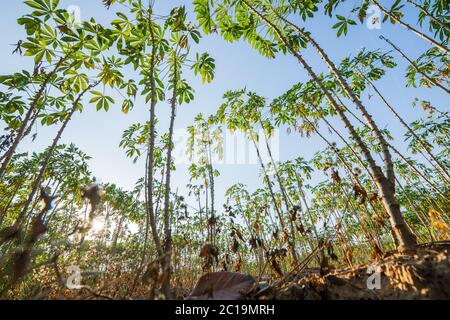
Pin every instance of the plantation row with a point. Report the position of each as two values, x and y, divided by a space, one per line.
376 192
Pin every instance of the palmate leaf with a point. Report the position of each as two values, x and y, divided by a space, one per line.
204 66
195 35
185 92
177 19
78 82
31 24
38 49
362 10
19 80
305 8
102 101
342 25
122 29
130 88
394 12
127 105
295 40
43 7
331 5
204 17
265 47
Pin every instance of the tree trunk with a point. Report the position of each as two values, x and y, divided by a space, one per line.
355 99
407 127
407 26
272 195
414 65
420 174
167 210
151 148
287 200
211 181
428 14
50 152
20 134
385 185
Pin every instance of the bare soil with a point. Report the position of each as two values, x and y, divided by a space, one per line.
422 274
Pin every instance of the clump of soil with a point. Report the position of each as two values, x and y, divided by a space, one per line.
422 274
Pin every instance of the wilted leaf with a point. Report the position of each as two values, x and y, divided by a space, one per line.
222 286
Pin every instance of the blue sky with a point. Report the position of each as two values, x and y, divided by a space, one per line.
237 66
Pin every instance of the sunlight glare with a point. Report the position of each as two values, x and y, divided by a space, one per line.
98 225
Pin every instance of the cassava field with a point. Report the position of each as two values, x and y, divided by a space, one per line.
121 125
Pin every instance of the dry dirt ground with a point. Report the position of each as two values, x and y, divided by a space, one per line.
422 274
